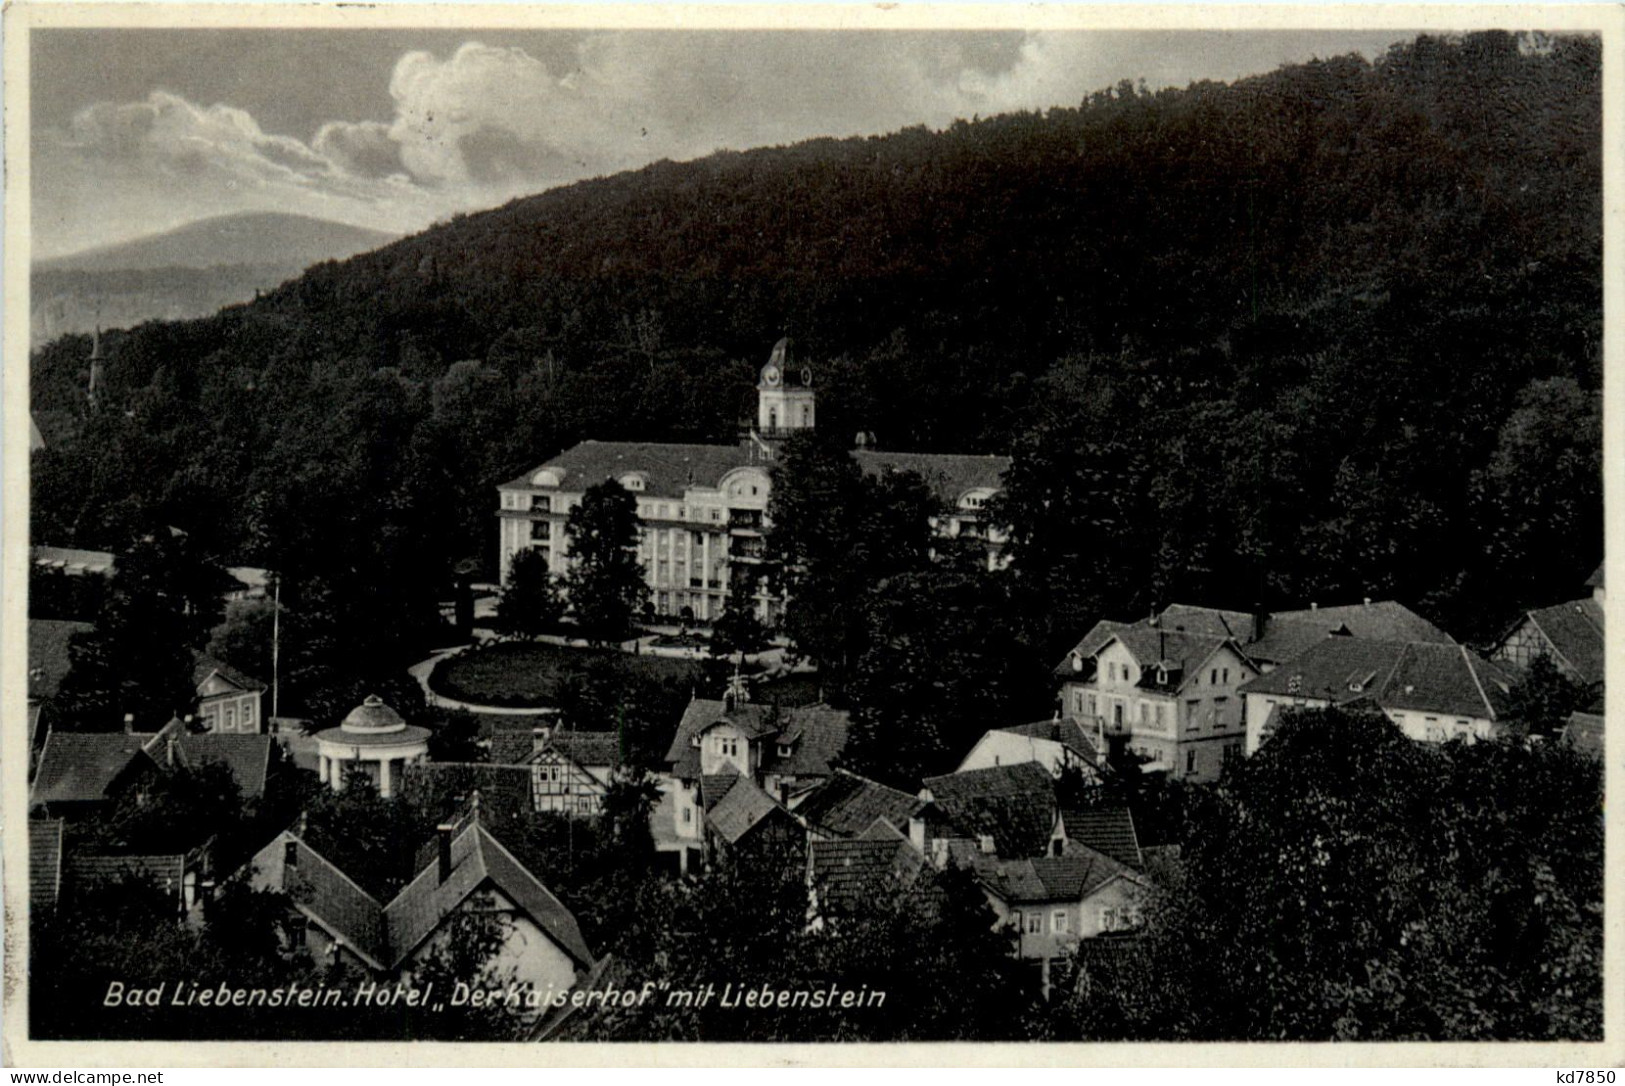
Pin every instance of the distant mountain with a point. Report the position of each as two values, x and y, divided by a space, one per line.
190 271
267 237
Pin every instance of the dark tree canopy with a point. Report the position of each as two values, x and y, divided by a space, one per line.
605 581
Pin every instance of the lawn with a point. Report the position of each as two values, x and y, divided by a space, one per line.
530 675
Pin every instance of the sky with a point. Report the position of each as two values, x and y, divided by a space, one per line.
138 131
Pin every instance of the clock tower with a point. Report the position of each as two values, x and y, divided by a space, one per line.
784 395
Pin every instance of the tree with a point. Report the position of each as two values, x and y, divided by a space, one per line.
606 583
1487 926
457 739
945 662
737 630
139 658
531 603
1543 697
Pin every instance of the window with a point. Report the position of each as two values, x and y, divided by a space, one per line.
1221 712
1057 921
716 514
1213 677
697 538
248 715
1225 674
1077 702
688 815
1162 715
1232 753
1091 704
1190 760
1108 919
1145 713
231 718
1035 923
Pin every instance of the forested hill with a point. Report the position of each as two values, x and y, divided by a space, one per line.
1328 287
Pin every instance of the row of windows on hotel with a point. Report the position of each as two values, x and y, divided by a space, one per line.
1087 705
1218 676
543 503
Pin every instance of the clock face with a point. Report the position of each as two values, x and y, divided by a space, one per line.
771 376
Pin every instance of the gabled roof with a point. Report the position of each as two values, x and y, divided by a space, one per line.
597 750
1050 879
1575 632
845 872
950 476
1107 830
667 469
1067 731
247 756
740 809
1585 732
816 735
846 805
506 791
1149 645
713 786
164 872
205 665
325 894
48 661
1290 633
477 858
1416 676
81 767
1014 804
44 862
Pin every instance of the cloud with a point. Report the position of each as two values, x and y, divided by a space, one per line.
489 122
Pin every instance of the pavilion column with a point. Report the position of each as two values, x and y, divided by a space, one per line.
321 767
384 784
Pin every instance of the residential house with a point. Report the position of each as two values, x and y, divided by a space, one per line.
571 770
848 806
1433 692
703 508
1054 744
471 871
72 561
1052 903
1570 634
740 817
181 877
783 751
228 701
1009 810
1168 695
844 873
82 773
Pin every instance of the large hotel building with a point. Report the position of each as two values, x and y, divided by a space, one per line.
704 507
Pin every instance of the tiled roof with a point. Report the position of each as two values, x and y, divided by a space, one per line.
846 805
163 872
512 747
205 665
1107 830
1575 631
1067 731
1446 679
818 735
1290 633
739 810
597 750
668 469
476 857
1585 733
81 766
44 862
713 786
48 661
845 872
1417 676
247 756
325 894
950 476
1149 645
1207 621
1015 804
1073 877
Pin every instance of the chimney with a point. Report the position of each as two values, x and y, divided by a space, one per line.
985 843
1368 601
129 723
916 832
290 853
443 834
304 823
169 750
1313 606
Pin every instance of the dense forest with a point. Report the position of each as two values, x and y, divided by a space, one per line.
1328 332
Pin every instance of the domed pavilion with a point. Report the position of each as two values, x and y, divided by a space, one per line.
374 739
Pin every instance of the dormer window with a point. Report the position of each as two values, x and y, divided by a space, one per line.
1162 676
632 481
785 750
